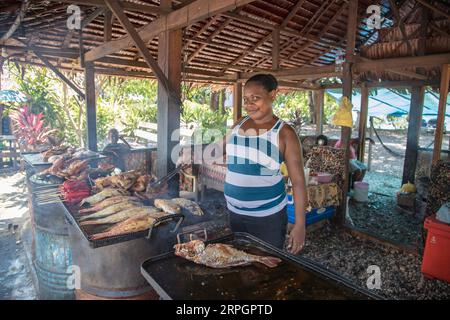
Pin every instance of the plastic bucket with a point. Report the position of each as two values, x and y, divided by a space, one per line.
361 191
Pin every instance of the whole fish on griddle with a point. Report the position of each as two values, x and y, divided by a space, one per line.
108 202
122 215
167 206
111 210
189 205
219 255
133 224
105 193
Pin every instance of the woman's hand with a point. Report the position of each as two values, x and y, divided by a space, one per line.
297 238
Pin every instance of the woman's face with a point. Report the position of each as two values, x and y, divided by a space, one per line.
258 101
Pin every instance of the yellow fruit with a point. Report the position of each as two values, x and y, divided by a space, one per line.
284 170
408 188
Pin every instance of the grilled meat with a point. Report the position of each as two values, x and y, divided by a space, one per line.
106 193
123 215
133 224
123 205
167 206
108 202
220 255
189 205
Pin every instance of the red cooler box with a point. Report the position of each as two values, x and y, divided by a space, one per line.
436 257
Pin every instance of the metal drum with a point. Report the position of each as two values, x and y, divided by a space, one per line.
51 254
111 272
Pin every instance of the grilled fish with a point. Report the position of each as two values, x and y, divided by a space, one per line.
111 210
133 224
220 255
189 205
105 193
167 206
122 215
108 202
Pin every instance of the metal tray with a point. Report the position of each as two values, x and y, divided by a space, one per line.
296 278
86 231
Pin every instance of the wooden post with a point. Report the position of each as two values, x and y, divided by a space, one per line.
237 101
107 26
363 121
319 101
275 49
412 143
91 111
443 92
347 86
169 60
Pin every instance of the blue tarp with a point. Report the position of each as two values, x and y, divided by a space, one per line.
387 102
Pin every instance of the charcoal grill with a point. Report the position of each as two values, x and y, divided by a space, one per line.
174 277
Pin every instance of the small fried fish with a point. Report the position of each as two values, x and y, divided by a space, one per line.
122 215
110 210
105 193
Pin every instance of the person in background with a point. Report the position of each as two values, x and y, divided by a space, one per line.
116 150
357 168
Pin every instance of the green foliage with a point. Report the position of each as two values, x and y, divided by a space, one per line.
292 106
330 107
38 84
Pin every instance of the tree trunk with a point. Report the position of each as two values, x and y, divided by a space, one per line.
214 104
312 109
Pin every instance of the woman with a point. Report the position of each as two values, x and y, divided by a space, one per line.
254 187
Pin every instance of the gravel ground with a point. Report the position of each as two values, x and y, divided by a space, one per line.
350 256
380 214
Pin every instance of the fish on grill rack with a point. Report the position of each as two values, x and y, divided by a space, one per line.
102 195
131 225
123 205
108 202
189 205
167 206
122 215
219 255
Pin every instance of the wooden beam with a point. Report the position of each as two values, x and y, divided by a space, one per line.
91 110
58 73
237 101
292 13
387 84
193 12
363 121
406 73
209 39
401 26
437 10
152 9
107 26
141 46
17 21
276 48
404 62
319 103
347 82
202 29
412 143
443 92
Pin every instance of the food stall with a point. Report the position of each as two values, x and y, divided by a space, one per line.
122 229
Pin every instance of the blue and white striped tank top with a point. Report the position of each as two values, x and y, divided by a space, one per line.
254 185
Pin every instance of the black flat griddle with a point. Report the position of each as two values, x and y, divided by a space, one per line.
294 278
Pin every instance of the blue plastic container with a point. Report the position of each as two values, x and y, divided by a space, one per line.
312 216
